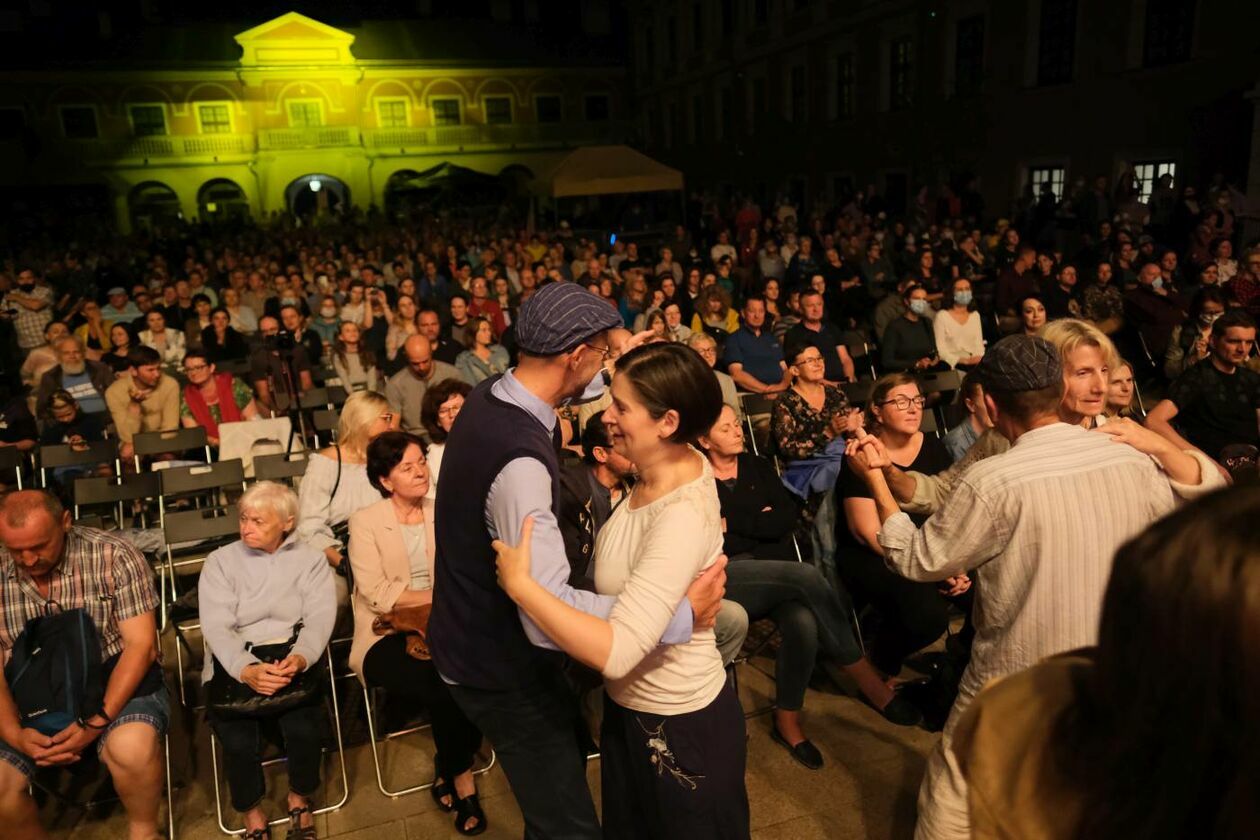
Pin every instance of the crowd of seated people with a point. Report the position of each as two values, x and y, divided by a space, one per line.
195 328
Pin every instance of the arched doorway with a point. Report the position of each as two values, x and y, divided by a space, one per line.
313 195
220 200
153 203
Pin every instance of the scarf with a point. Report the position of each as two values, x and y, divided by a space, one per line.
228 410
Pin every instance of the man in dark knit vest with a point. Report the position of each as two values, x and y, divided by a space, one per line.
501 465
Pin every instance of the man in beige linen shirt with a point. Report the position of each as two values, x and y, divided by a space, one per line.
142 400
1036 527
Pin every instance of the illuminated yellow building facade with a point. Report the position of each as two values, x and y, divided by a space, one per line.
299 118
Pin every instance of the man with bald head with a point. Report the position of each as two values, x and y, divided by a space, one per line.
46 562
405 389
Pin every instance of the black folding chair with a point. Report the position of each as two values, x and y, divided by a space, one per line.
76 455
12 459
332 396
176 441
325 422
236 367
757 411
282 466
107 490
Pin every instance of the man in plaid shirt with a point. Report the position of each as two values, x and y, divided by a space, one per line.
46 564
29 306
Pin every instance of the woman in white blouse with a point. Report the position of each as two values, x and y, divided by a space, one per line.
673 742
167 342
336 481
959 340
241 318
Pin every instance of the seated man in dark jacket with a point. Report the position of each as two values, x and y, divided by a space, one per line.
589 491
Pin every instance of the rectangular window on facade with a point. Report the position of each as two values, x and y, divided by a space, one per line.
671 123
798 95
969 55
757 104
726 8
214 118
445 111
78 122
760 11
498 110
725 114
597 108
697 119
697 25
1169 31
12 123
147 120
671 40
548 109
900 74
305 113
391 113
846 90
1053 175
649 48
1148 174
1056 42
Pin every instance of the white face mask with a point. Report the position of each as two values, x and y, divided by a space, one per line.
328 312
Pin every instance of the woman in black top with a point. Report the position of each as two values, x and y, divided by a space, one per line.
765 578
909 342
913 614
221 341
122 340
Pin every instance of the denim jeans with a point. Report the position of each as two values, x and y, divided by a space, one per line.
809 613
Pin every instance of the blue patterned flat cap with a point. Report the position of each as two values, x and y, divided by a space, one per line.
560 316
1020 363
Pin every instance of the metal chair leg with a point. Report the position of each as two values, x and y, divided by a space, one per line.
376 758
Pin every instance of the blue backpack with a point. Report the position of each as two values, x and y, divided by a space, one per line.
54 673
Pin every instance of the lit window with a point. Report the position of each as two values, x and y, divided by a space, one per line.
498 110
148 120
445 111
1149 172
215 119
305 114
391 113
1052 175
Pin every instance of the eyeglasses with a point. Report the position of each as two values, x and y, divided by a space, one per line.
604 352
903 403
810 360
195 368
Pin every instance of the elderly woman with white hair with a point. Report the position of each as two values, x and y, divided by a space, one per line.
336 481
267 607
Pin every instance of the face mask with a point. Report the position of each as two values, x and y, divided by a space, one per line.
328 312
1157 283
1207 319
962 298
594 389
26 287
919 306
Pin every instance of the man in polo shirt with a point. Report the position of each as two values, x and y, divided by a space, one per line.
499 467
45 562
814 331
753 357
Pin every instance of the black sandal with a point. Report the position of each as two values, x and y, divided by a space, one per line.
465 810
296 830
263 833
440 789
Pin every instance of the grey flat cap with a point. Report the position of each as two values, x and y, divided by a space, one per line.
559 316
1020 363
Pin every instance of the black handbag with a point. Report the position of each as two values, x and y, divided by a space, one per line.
228 697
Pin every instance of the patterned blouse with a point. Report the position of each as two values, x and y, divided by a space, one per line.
798 430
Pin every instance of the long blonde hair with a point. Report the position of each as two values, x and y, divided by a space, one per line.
361 408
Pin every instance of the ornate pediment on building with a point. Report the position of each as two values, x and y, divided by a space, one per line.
294 40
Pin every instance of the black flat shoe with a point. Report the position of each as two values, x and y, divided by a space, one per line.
465 810
805 753
901 712
440 789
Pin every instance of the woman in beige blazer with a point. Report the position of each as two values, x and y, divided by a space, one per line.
391 551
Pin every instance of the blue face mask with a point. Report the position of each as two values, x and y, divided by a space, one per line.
1157 283
919 306
962 298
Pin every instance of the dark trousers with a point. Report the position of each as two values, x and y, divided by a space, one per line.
242 752
534 731
680 776
913 614
808 613
404 677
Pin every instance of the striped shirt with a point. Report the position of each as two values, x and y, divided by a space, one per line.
99 572
1037 527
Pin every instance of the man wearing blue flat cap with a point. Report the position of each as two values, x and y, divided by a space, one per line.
500 466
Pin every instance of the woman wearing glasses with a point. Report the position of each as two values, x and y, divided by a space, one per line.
913 614
211 398
336 482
